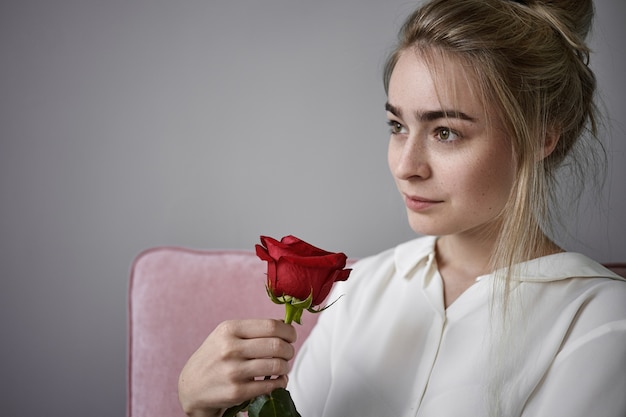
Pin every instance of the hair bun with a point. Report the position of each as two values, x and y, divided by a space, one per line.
576 15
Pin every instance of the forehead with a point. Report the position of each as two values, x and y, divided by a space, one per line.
434 78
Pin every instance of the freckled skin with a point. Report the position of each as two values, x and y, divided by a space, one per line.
467 167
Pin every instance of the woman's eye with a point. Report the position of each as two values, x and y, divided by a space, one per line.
395 127
444 134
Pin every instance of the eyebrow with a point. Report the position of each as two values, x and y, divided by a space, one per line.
430 116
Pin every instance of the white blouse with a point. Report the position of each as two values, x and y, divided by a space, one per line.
389 348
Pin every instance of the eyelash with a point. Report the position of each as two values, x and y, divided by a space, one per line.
396 129
450 132
393 125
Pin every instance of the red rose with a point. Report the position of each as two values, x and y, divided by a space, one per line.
300 270
299 276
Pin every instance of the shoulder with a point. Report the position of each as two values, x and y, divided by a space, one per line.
592 299
599 288
598 316
579 282
605 298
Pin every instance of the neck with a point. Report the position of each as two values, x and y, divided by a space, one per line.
472 252
468 253
461 258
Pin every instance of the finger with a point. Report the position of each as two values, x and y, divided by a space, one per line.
236 393
263 368
268 347
258 328
251 389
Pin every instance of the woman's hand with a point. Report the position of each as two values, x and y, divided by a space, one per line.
230 366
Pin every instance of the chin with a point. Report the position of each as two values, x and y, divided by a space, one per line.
425 228
433 226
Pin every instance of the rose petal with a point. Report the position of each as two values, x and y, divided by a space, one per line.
298 246
300 270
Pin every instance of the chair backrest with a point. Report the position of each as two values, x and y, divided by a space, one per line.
176 298
618 268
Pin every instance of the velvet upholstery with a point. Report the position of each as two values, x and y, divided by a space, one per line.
176 298
618 268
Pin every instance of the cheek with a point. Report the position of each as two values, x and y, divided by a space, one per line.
497 180
487 182
392 157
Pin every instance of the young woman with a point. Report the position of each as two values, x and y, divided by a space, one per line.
487 101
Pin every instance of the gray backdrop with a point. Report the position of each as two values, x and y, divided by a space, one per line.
130 124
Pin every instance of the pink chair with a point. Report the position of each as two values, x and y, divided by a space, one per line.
618 268
177 297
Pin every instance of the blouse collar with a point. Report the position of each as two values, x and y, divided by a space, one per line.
409 255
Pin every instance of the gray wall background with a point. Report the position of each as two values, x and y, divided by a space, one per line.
131 124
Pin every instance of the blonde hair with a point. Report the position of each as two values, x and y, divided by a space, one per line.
531 64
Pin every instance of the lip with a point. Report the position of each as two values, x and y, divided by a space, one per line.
418 203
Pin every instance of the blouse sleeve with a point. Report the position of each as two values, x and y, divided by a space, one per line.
587 378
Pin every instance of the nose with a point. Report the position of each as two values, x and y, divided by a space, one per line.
408 158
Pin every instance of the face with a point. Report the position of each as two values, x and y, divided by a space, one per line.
453 169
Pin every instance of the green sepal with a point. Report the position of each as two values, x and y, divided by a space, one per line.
277 404
319 310
298 316
272 297
233 411
305 304
293 306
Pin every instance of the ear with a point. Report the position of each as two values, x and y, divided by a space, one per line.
552 138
